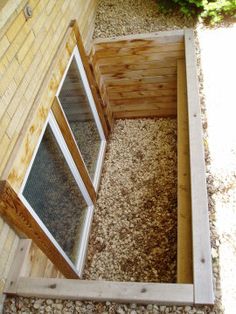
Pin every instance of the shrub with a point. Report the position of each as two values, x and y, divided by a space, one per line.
210 10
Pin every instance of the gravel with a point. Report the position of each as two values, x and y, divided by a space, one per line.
123 17
114 18
137 194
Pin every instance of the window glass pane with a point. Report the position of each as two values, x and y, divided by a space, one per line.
76 106
53 193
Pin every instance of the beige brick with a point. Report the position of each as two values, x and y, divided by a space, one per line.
33 3
18 42
29 57
18 76
6 98
4 44
39 24
11 129
50 6
4 124
25 47
7 152
16 98
3 64
8 75
5 142
15 27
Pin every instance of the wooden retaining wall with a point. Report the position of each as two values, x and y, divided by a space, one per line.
137 74
27 49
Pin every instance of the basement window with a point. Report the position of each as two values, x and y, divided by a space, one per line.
58 191
55 194
75 98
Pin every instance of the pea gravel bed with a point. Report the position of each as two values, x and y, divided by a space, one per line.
125 17
134 228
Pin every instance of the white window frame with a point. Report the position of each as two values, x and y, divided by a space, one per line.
75 54
81 254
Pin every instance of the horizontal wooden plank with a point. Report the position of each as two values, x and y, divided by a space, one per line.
143 101
136 86
165 56
138 74
126 106
163 36
125 292
167 112
144 80
110 52
106 69
141 93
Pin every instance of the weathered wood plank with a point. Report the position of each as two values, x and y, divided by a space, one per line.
161 37
138 74
143 87
125 292
184 239
17 268
106 69
145 113
202 264
124 51
157 100
141 93
144 80
162 56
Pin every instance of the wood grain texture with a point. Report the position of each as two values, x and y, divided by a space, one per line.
184 240
133 71
124 292
202 264
90 77
18 265
71 143
18 216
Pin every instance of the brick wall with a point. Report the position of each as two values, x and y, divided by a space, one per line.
26 52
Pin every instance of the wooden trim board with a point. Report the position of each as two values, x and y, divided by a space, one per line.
163 36
127 292
71 143
184 239
202 264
